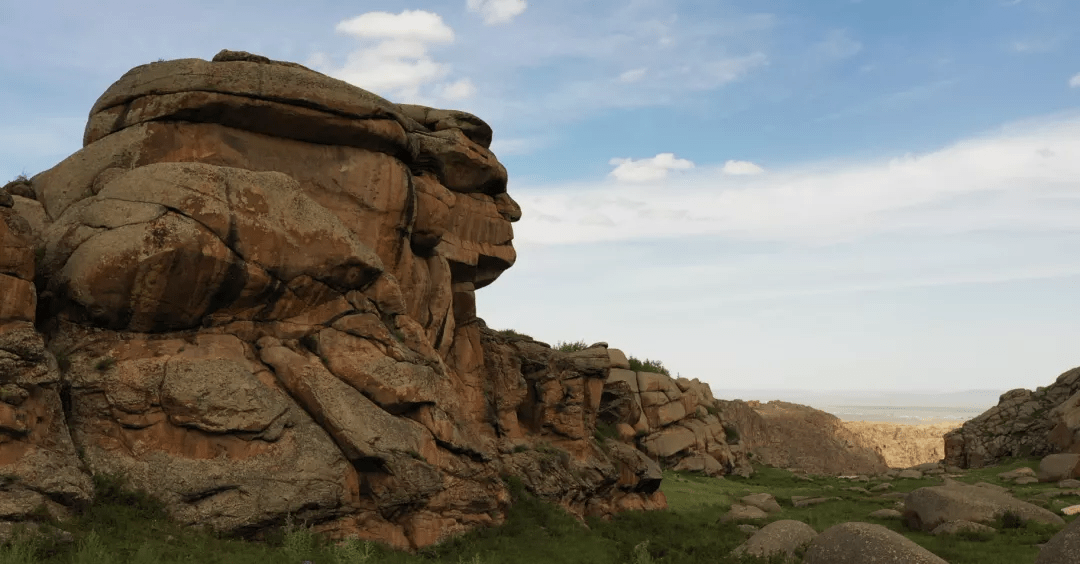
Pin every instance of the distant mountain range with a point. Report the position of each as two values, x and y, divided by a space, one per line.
968 399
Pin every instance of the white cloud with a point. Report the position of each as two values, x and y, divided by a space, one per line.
1023 178
459 90
497 11
416 25
731 69
632 75
838 45
1074 82
741 168
397 65
646 170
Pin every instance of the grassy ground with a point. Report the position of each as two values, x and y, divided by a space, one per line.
122 527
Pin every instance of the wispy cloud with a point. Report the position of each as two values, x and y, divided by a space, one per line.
741 168
1014 180
1074 82
646 170
838 45
497 11
632 75
1033 46
393 59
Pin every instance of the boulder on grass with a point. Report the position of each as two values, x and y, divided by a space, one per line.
926 508
1062 548
779 537
1056 467
862 543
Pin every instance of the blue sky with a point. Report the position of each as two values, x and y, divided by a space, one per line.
830 194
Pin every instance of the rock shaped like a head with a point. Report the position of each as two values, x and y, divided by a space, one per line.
268 175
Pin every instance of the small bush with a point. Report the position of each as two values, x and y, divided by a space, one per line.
513 334
520 448
105 363
731 434
568 347
1011 520
712 410
648 366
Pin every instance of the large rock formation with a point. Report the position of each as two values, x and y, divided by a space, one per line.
1023 423
676 421
799 437
251 293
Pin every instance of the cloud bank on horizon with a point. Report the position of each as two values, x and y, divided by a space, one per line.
846 194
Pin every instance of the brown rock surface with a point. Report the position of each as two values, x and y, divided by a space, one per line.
862 543
799 437
256 292
1023 423
902 446
926 508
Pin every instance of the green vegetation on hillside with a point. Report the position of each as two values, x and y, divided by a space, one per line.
130 527
648 366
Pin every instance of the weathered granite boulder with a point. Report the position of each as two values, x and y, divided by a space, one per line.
1063 547
860 543
783 537
1057 467
252 294
1023 423
926 508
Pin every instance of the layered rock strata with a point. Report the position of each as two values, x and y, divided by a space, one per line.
676 421
251 294
1023 423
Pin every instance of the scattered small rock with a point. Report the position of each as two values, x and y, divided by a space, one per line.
886 514
806 502
909 473
884 486
1018 473
1023 481
748 528
764 501
739 512
1069 483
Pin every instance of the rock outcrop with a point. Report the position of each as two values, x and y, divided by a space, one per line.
1023 423
252 294
674 420
798 437
902 446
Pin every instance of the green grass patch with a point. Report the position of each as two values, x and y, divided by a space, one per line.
513 334
125 526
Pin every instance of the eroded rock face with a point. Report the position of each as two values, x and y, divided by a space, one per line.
674 420
252 294
1023 423
799 437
